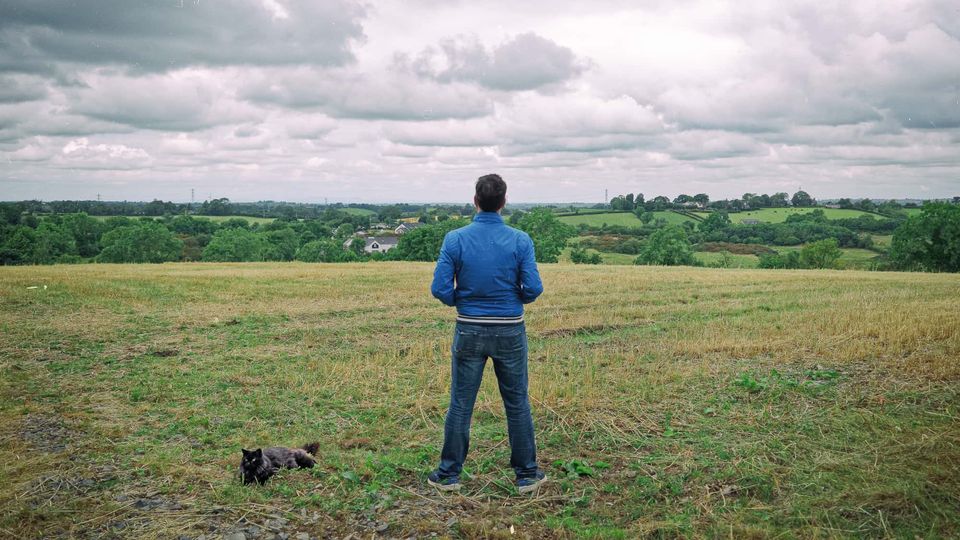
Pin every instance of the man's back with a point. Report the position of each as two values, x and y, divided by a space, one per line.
487 269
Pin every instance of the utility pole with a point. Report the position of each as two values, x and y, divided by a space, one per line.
98 197
606 196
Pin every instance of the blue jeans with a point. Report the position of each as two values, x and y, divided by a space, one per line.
507 346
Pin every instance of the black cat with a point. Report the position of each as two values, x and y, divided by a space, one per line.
260 464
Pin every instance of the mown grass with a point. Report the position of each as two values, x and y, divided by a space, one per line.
669 402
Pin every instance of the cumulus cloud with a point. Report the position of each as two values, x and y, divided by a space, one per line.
376 101
525 62
81 154
159 36
184 100
389 95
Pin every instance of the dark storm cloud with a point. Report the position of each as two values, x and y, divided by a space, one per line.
526 62
16 88
160 35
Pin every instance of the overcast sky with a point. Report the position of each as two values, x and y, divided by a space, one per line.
413 100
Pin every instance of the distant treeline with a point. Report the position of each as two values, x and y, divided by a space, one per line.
224 207
749 201
928 241
27 238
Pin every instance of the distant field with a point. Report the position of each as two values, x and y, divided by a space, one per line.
217 219
913 211
622 219
668 403
852 258
882 241
358 211
779 215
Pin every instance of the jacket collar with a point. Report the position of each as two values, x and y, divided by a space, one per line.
488 217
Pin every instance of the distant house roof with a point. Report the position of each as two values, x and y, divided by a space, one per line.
382 240
404 227
750 221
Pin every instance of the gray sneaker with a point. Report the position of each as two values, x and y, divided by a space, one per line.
531 484
450 483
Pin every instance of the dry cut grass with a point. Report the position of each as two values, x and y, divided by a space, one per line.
669 402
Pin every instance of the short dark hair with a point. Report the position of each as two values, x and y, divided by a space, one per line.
491 192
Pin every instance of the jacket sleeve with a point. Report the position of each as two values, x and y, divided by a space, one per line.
445 272
530 284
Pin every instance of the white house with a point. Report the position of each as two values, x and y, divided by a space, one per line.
407 227
380 244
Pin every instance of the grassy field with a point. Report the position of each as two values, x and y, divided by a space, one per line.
779 215
669 402
623 219
852 258
358 211
882 240
217 219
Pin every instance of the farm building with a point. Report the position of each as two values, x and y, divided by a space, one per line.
751 221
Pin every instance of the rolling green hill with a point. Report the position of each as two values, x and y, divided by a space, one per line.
779 215
623 219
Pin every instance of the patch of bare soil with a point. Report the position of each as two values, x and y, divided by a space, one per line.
46 433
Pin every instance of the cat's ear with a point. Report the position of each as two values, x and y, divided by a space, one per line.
245 451
258 452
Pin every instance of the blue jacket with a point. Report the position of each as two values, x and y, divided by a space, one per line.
487 269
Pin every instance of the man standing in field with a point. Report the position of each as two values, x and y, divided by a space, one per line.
488 272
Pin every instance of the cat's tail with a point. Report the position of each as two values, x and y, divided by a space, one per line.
311 448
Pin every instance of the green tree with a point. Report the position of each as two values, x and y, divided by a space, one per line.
716 221
866 205
234 245
775 260
778 200
548 233
821 254
581 256
357 245
324 251
18 246
217 207
86 233
144 242
279 244
929 241
802 199
668 246
423 243
344 231
53 243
